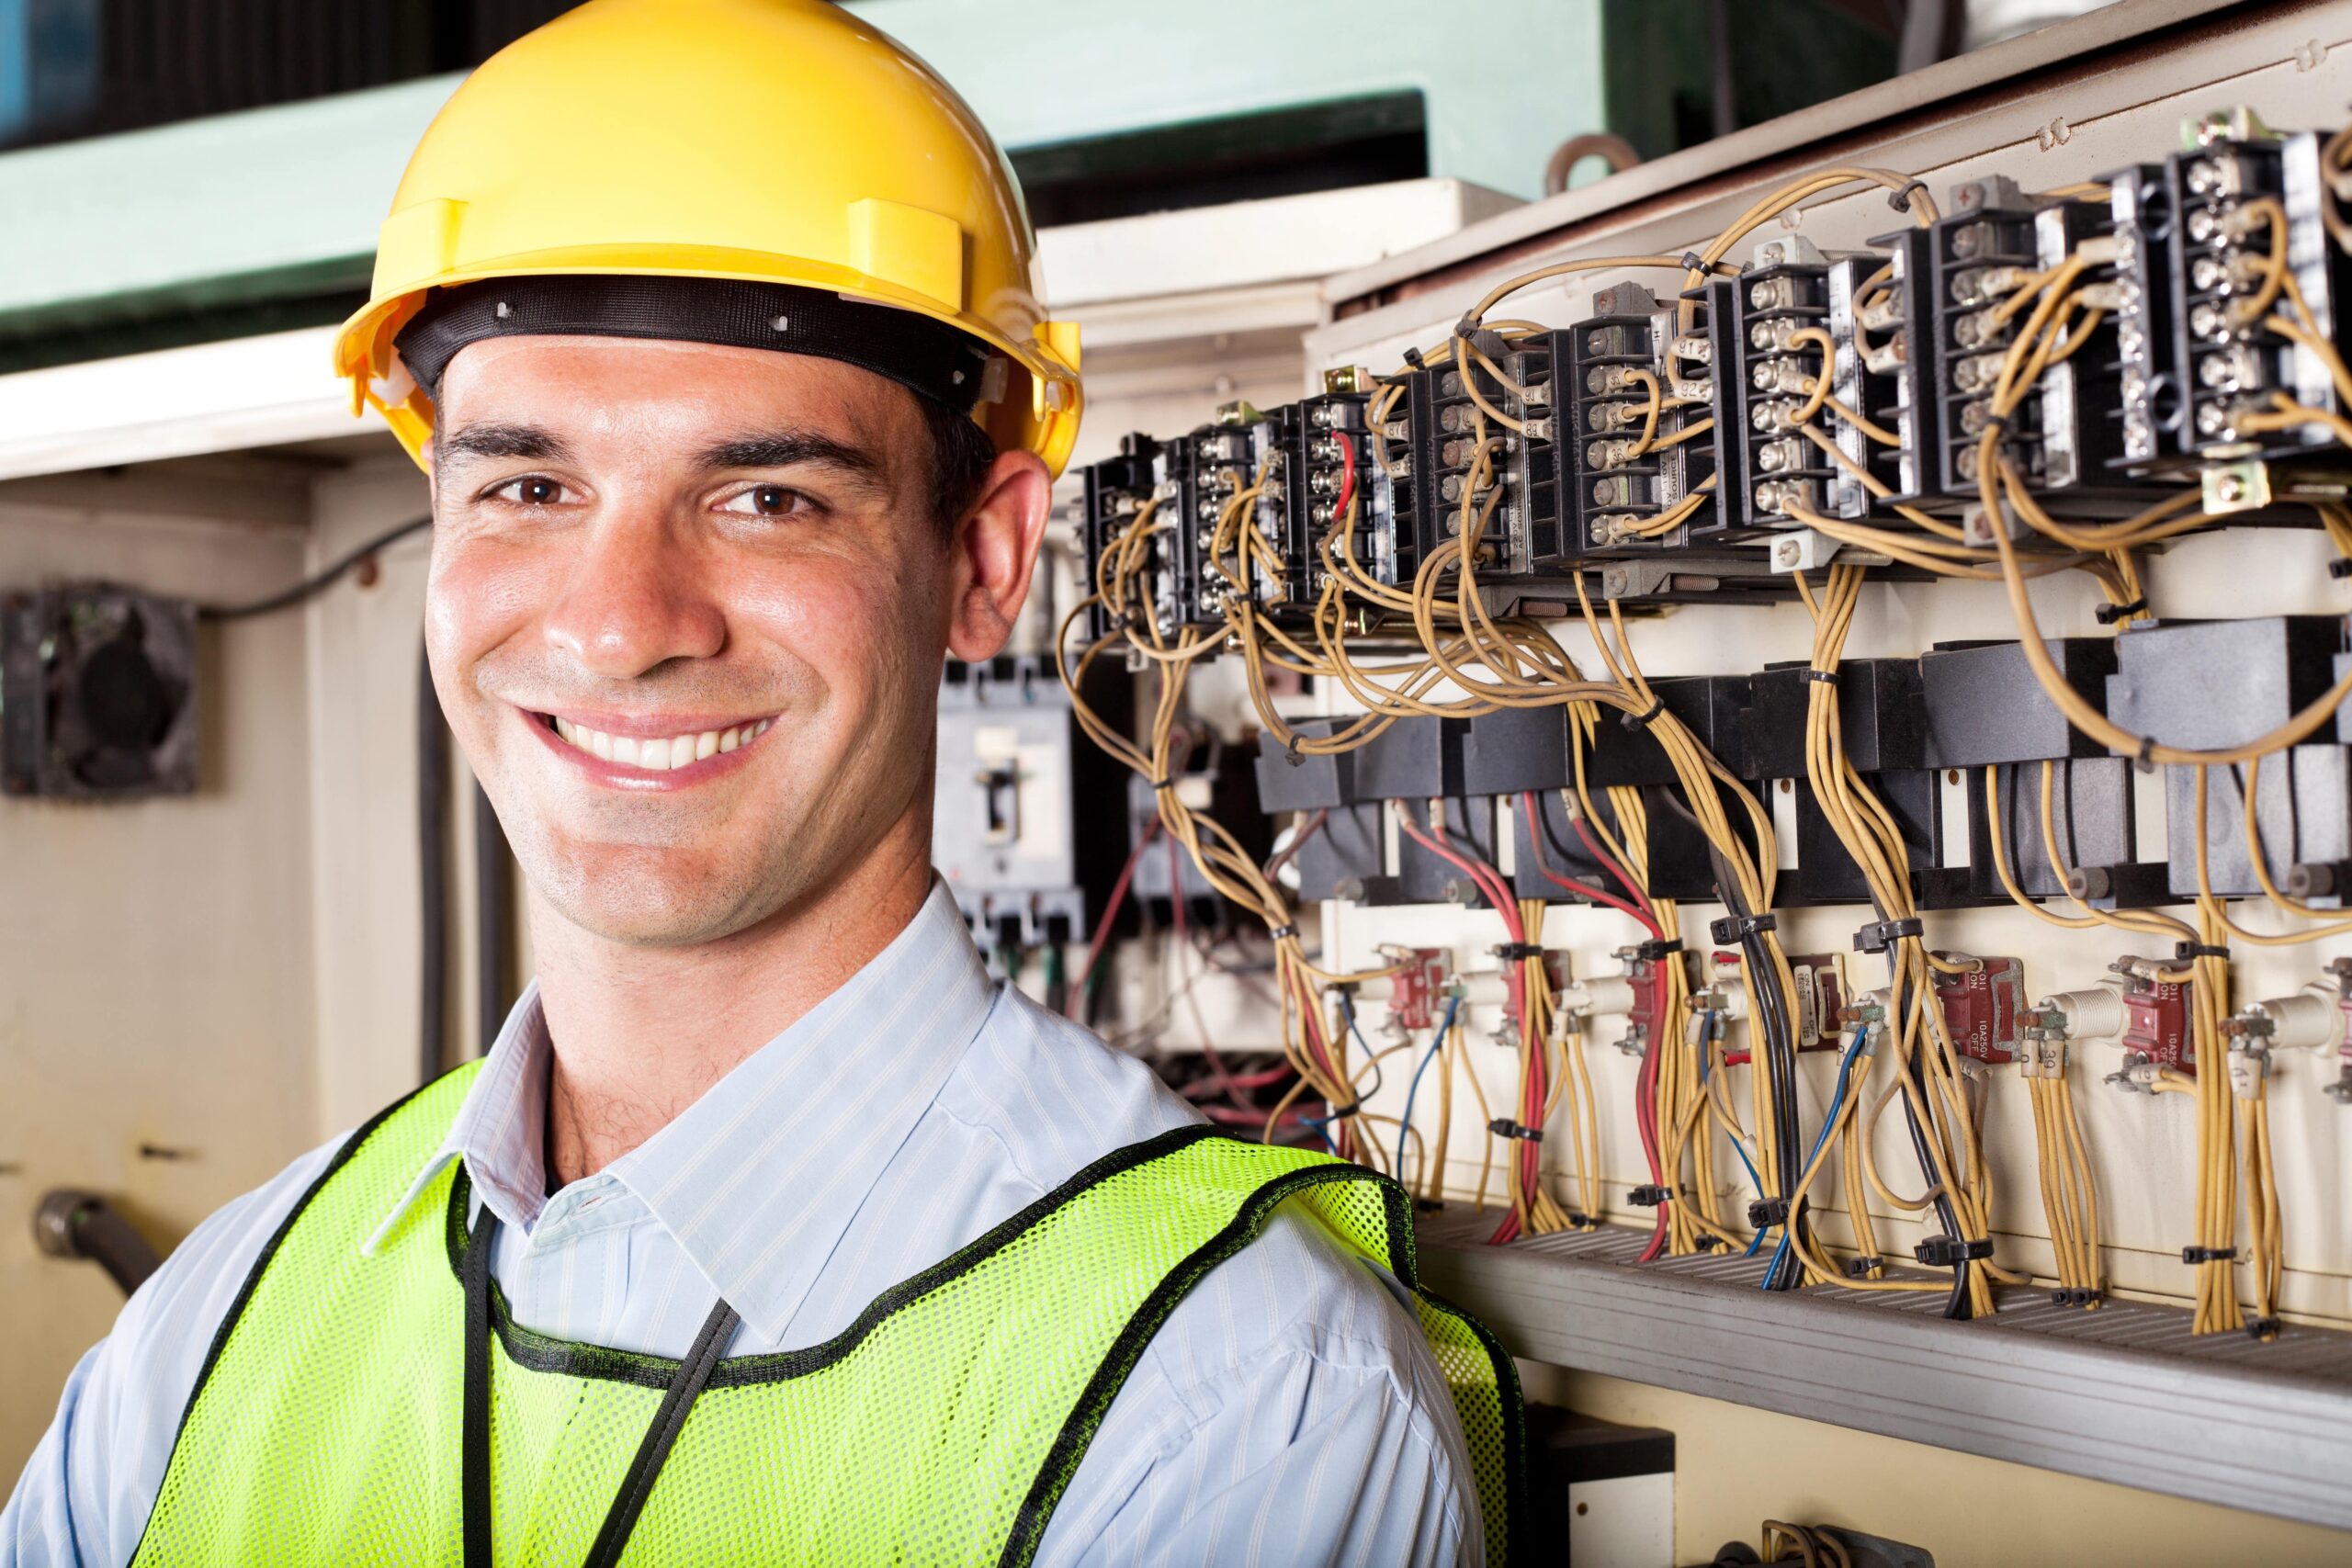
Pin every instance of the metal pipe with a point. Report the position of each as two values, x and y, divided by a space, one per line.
68 1222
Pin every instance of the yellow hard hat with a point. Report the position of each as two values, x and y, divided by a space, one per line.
779 142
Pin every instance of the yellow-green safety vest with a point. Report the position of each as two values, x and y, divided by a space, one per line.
387 1408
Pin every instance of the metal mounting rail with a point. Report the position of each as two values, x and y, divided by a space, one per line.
2125 1393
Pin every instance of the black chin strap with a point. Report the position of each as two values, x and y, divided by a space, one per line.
653 1450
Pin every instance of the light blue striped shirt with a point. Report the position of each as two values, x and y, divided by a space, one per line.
1287 1412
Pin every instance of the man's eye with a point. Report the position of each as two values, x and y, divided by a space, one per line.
532 490
766 500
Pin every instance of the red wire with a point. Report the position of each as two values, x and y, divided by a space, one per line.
1347 477
1110 911
1536 1087
1645 1123
1645 1080
1504 904
1616 871
1582 890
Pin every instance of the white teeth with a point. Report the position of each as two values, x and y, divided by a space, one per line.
658 754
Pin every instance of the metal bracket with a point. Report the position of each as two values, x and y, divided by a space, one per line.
2237 487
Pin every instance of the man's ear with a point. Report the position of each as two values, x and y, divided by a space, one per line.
995 548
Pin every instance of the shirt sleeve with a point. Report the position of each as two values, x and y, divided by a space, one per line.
1276 1424
85 1494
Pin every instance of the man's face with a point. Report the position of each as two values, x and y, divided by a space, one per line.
686 612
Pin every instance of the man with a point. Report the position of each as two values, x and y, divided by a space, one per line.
770 1230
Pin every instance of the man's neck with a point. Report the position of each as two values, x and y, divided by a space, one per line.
641 1034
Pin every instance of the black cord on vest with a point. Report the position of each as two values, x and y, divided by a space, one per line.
474 1478
693 1373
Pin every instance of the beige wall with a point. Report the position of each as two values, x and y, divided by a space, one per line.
1736 1467
156 980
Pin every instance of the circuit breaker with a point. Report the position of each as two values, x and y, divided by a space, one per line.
1027 813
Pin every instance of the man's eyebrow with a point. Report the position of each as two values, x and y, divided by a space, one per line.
493 439
793 448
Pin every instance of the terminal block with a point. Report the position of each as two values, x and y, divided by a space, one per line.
2247 200
1783 320
1329 472
1873 377
1895 318
1997 243
2140 215
1210 470
1523 526
1701 363
1114 495
1613 409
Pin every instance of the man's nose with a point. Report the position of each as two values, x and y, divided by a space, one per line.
634 598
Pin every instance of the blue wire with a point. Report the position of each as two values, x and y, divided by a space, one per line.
1828 1120
1706 1059
1414 1087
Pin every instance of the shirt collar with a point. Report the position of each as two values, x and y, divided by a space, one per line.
757 1180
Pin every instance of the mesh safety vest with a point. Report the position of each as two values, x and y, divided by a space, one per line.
387 1409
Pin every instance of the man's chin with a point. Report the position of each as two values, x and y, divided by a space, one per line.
654 898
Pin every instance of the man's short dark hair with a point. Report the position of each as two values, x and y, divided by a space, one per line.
961 454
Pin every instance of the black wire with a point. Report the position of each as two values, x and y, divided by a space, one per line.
289 597
494 899
1956 1304
1779 1055
433 874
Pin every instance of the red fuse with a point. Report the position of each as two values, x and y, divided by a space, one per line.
1418 986
1981 1008
2157 1020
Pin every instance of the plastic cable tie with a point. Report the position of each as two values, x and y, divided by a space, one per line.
1945 1252
2145 759
1883 935
1901 200
1708 1242
1657 948
1997 422
1292 755
2109 615
1692 262
1767 1212
2339 569
1582 1222
1166 782
1510 950
2199 950
1287 928
2194 1255
1649 1196
1337 1111
1643 720
1739 928
1824 677
1412 357
1504 1127
2261 1328
1862 1267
